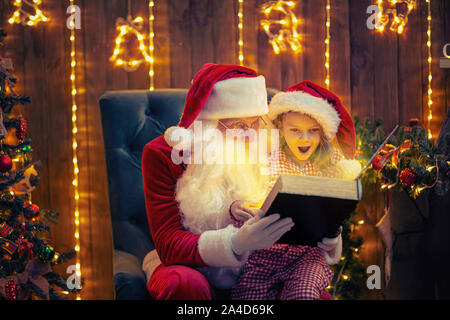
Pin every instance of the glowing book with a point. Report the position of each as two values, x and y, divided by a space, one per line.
318 206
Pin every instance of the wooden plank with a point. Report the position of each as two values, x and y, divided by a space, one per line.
340 51
371 250
225 32
202 42
139 79
362 62
38 112
447 40
386 78
162 44
362 104
181 72
58 124
439 83
315 32
410 69
292 63
117 78
251 31
93 182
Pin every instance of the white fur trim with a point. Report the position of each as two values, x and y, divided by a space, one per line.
178 137
215 249
150 263
235 98
318 108
348 169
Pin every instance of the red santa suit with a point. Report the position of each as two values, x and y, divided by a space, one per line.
188 253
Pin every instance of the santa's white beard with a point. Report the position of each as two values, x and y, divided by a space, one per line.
205 191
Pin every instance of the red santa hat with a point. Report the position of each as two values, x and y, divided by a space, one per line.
218 92
322 105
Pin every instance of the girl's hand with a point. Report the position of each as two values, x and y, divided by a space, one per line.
242 211
331 249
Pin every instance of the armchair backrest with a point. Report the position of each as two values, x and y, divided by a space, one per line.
131 119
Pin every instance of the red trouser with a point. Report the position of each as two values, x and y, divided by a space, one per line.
179 282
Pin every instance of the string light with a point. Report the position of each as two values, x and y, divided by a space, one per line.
76 170
133 26
288 26
399 19
241 32
25 18
151 46
327 45
430 76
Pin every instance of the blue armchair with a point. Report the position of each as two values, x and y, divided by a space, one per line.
131 119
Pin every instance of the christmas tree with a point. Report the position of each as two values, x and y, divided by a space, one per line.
26 257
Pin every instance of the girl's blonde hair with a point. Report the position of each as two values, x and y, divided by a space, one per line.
321 158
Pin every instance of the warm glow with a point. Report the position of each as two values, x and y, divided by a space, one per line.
430 76
20 16
288 35
75 181
135 26
241 33
327 45
399 19
151 46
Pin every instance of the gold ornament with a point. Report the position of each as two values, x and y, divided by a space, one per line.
24 17
398 10
287 26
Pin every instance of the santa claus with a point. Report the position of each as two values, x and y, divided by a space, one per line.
198 249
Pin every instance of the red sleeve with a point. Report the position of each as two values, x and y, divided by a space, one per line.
173 243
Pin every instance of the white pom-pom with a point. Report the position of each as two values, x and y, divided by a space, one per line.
179 138
348 169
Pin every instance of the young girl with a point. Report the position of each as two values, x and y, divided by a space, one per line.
309 118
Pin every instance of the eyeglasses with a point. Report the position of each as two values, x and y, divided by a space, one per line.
242 125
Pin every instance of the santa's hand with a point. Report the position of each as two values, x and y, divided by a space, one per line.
240 210
331 249
260 233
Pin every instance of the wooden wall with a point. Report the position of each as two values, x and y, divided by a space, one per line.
376 75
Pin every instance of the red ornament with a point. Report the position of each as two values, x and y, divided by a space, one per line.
21 128
5 163
11 290
31 211
407 177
